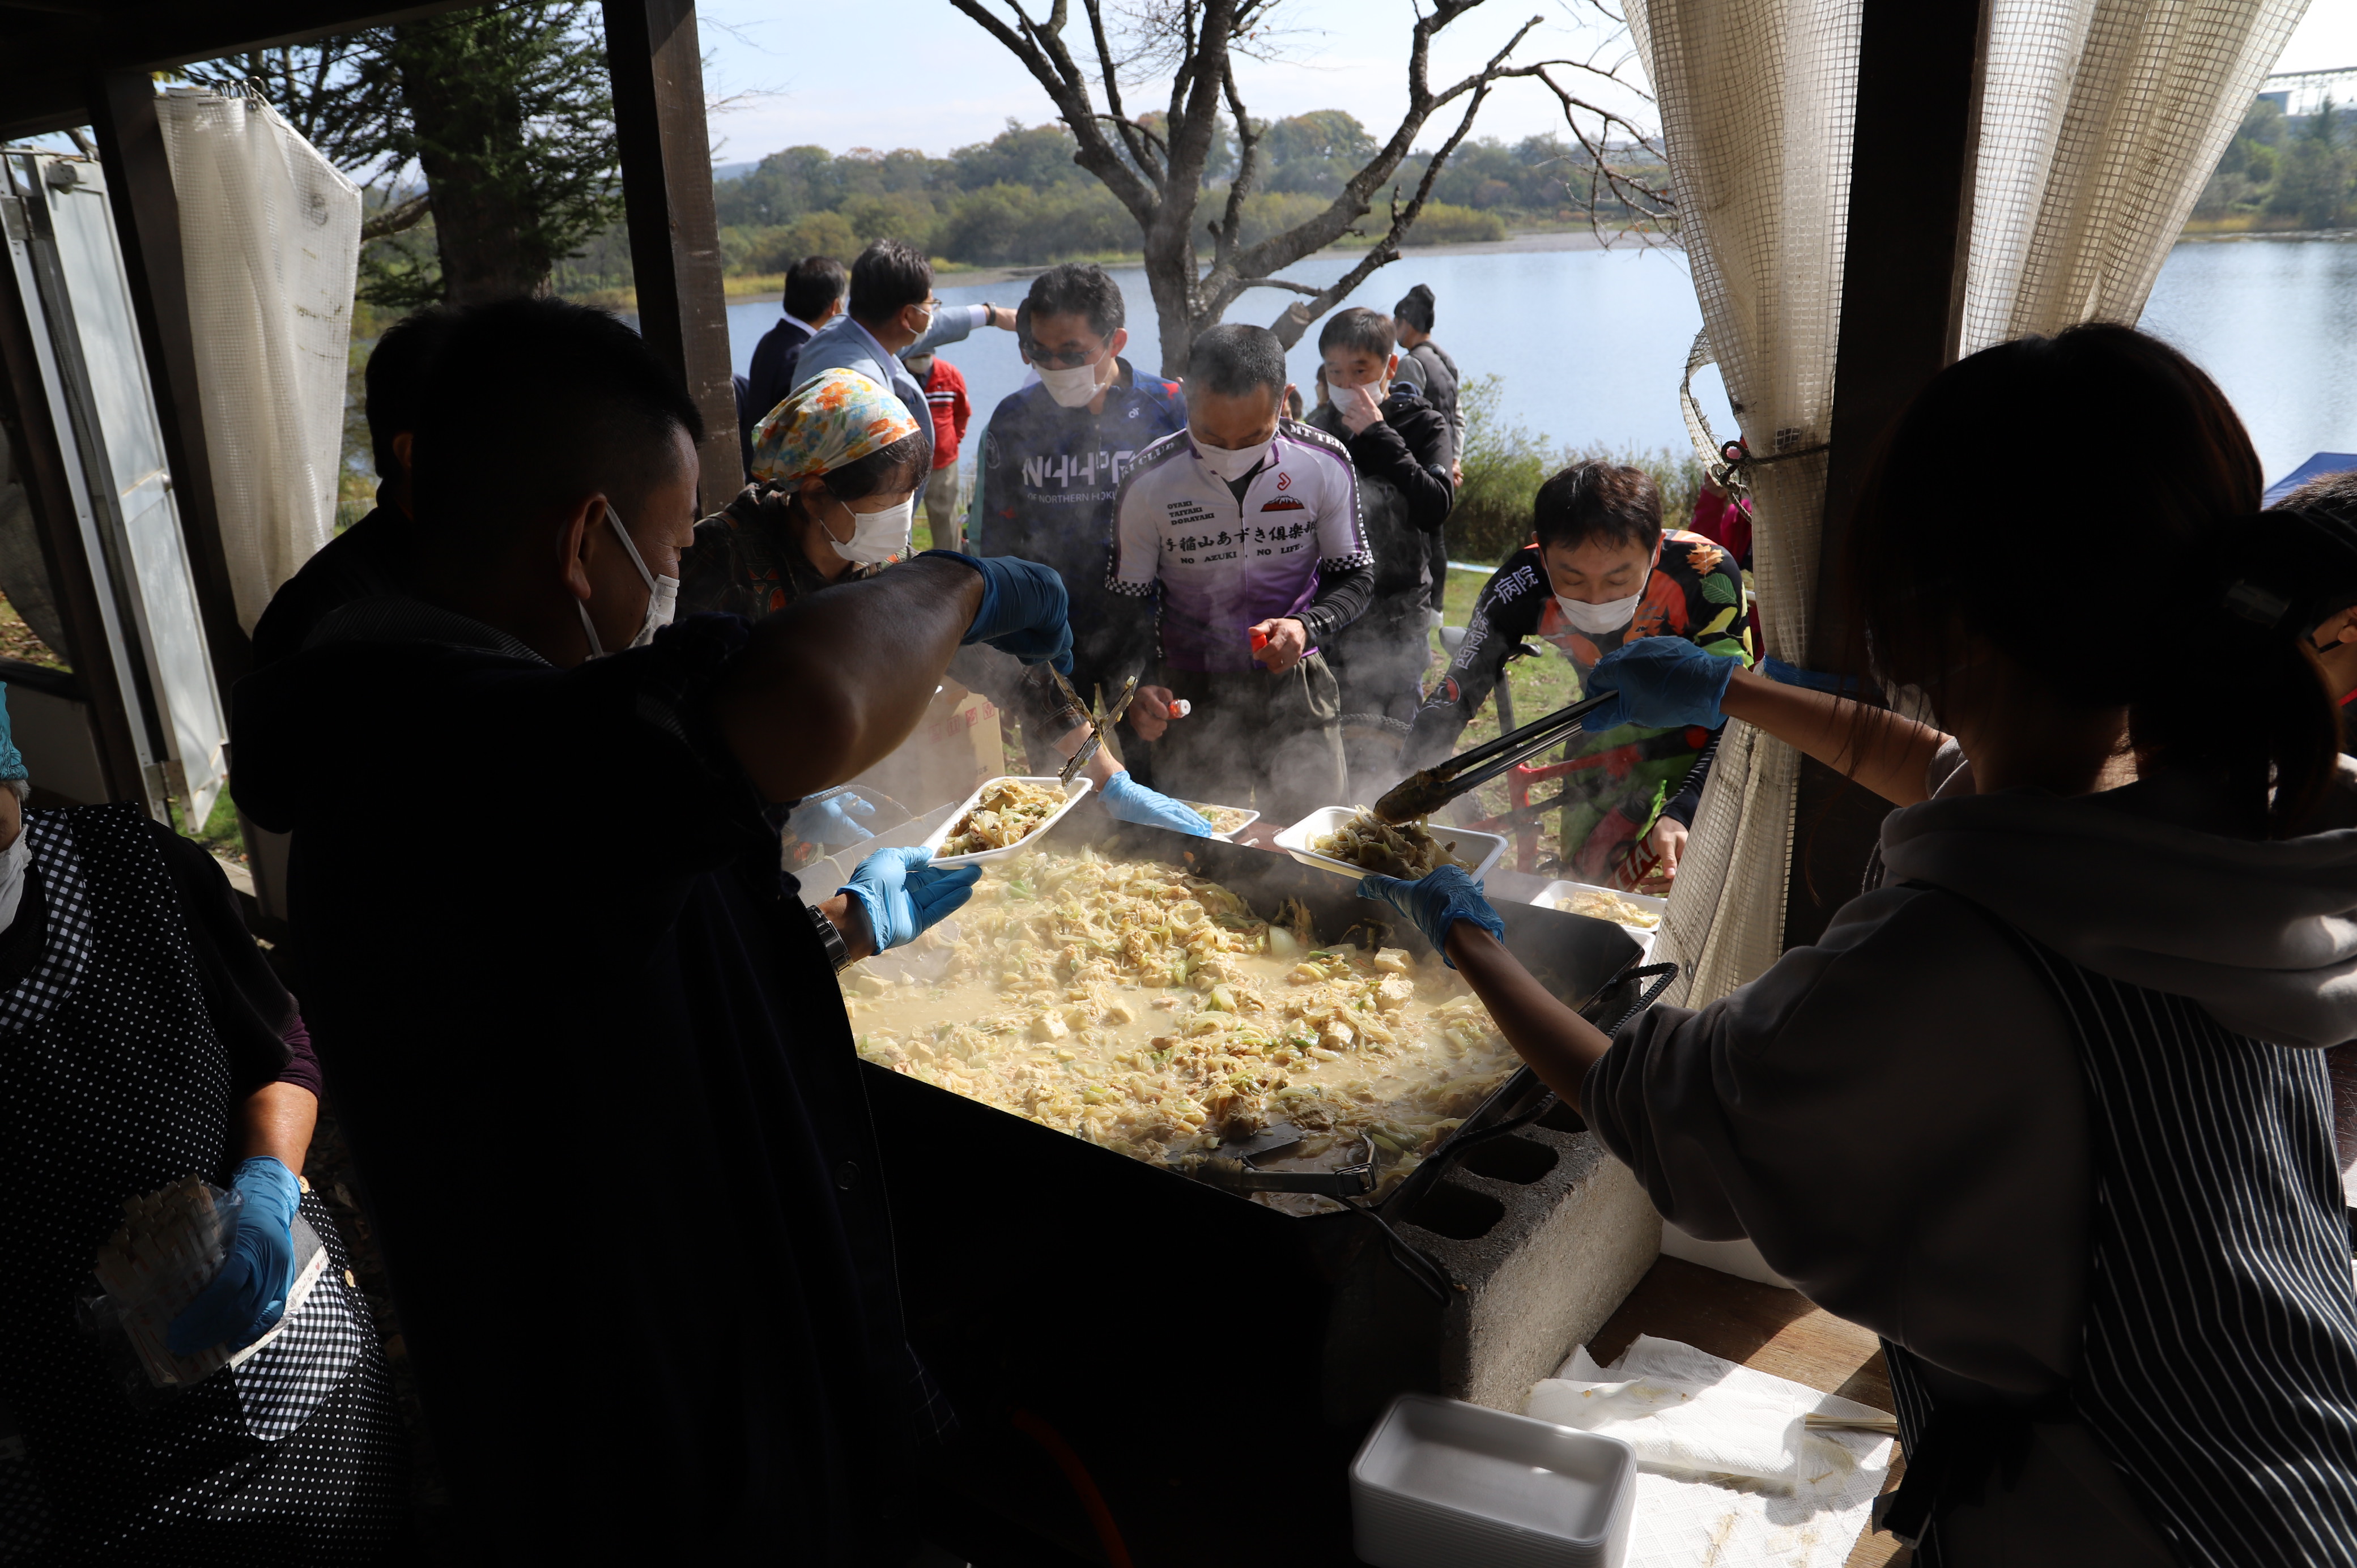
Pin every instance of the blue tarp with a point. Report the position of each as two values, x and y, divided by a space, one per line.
2321 463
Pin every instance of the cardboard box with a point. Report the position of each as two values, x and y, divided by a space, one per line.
955 747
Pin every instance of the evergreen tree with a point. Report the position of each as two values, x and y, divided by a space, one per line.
2314 183
507 113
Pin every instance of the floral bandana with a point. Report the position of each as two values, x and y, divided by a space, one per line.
835 417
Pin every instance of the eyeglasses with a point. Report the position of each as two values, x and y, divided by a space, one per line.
1059 358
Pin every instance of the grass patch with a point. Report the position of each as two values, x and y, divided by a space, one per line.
1506 463
221 833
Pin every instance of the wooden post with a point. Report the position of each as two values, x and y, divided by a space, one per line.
650 48
1912 156
147 227
41 457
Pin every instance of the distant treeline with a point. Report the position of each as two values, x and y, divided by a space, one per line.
2283 172
1018 199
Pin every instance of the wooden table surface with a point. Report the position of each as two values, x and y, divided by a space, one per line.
1776 1331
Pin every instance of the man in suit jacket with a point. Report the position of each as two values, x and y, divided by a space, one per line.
893 311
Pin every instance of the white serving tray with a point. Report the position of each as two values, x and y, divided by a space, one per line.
1558 896
1229 836
1296 841
1073 793
1440 1483
1549 895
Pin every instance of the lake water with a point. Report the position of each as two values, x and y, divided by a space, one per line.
1588 344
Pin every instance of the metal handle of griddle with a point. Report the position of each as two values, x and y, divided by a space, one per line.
1242 1175
1422 1266
1660 975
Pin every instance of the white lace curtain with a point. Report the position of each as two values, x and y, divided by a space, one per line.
1757 98
2100 120
269 235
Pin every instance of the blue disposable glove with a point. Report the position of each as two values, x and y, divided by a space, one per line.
1023 610
1131 801
249 1294
903 894
1660 682
827 822
1435 902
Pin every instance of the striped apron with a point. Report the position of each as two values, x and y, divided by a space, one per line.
2219 1356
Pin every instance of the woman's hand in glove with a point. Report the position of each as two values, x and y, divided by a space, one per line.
1661 682
1131 801
249 1294
829 821
1437 902
1023 611
902 894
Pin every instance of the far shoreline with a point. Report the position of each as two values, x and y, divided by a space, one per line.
1521 243
1529 241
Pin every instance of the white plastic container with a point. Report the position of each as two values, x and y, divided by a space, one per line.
1443 1483
1558 895
1073 793
1481 849
1226 835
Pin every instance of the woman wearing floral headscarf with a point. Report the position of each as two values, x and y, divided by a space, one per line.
837 466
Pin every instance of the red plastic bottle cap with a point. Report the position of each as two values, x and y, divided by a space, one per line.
1259 640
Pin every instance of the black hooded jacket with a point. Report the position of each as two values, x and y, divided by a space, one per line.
1404 490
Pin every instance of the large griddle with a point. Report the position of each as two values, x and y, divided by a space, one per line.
1180 1338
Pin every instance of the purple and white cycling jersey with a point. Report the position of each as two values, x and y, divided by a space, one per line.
1226 565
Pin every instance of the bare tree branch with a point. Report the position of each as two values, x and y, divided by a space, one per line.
1280 250
1224 232
393 220
1159 177
1112 79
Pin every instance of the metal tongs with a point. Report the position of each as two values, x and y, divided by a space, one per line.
1427 789
1097 727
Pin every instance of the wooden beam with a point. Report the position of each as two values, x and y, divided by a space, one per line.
147 228
1911 154
650 46
41 456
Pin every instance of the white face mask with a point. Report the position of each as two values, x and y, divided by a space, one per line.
1597 619
663 594
1612 614
1072 388
1231 463
876 536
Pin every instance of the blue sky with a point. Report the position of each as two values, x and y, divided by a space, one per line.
901 73
926 77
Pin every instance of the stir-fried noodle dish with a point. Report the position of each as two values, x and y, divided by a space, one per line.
1009 812
1153 1013
1408 850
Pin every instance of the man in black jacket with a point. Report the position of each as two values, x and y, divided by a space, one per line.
1412 319
1398 444
814 291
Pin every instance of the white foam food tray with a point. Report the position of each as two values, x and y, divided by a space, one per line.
1479 850
1073 793
1444 1484
1558 895
1440 1484
1225 834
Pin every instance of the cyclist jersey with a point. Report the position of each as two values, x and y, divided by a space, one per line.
1285 540
1048 475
